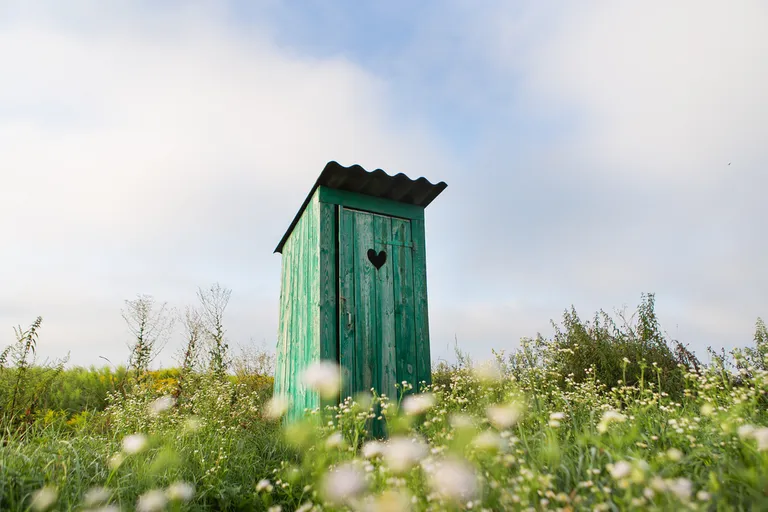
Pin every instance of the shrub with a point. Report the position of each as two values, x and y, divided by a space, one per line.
22 384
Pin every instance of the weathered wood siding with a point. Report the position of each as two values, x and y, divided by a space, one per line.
421 316
336 305
300 309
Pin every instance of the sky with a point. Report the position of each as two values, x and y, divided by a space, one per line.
593 151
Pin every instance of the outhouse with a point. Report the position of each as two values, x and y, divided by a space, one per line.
354 284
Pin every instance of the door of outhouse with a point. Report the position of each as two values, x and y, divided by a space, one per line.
377 337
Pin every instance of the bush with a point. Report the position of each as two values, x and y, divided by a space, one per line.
22 383
619 355
634 351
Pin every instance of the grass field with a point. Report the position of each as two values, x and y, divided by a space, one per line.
522 433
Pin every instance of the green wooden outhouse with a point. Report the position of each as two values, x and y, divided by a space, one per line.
354 284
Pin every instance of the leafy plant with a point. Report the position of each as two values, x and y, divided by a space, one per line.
23 384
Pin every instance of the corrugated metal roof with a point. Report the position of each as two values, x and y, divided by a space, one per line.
419 192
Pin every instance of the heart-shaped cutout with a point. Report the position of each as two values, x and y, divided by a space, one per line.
378 260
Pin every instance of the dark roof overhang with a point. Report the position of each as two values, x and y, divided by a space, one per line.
419 192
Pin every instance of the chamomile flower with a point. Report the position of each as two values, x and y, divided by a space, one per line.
610 416
343 484
454 480
323 377
619 470
264 485
402 453
135 443
152 501
180 492
96 496
277 406
761 436
504 416
44 498
161 405
373 449
414 405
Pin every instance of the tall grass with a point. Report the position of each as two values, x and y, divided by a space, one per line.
525 432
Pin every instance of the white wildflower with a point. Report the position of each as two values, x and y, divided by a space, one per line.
680 487
703 496
761 436
343 483
323 377
504 416
180 491
161 405
402 453
489 441
264 485
278 405
418 404
390 501
335 440
674 454
610 416
96 496
44 498
458 420
619 470
707 409
745 431
373 449
151 501
305 507
488 371
275 508
193 424
658 484
135 443
116 460
454 480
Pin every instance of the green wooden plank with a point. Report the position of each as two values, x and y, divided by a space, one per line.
387 356
347 302
421 317
290 386
314 293
365 300
404 303
300 328
280 358
307 287
328 283
300 295
370 204
288 313
297 323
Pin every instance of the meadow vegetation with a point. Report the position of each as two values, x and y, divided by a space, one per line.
607 414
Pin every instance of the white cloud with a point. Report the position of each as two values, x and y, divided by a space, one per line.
152 151
672 92
605 169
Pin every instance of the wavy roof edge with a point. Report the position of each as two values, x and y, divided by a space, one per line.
377 183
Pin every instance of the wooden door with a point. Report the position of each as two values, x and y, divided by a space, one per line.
377 333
